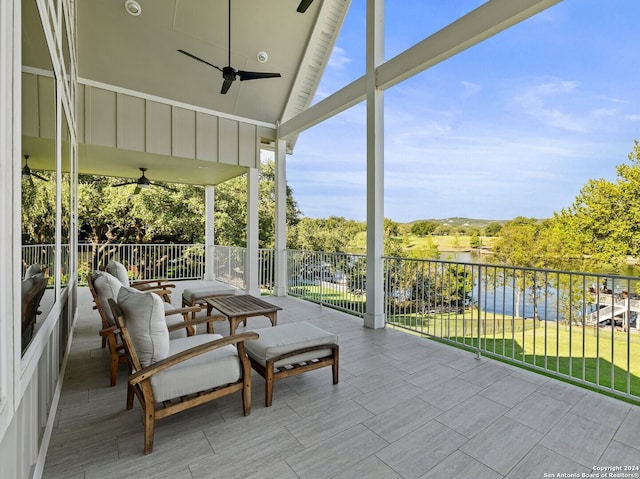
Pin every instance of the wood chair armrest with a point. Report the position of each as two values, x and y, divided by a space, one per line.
146 288
108 331
195 322
189 309
160 283
160 292
146 373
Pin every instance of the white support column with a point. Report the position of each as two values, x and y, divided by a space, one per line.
280 287
251 271
10 253
374 317
209 233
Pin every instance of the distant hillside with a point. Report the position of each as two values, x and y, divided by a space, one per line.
456 221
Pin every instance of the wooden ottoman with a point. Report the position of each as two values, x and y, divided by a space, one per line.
193 296
290 349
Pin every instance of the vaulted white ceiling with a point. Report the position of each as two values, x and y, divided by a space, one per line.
140 52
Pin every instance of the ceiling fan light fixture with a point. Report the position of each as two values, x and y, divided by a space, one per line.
133 8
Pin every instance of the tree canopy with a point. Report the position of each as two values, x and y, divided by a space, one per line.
156 215
604 219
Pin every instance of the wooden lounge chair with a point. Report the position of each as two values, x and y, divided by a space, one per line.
32 291
103 287
170 376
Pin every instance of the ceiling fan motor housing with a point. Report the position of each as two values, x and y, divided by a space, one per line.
229 73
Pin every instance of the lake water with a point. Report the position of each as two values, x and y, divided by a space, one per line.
464 257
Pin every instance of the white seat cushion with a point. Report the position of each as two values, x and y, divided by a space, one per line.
286 338
209 370
193 294
145 320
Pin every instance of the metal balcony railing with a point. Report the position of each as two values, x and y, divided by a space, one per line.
582 327
579 326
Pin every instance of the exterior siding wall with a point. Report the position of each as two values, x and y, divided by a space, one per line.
30 380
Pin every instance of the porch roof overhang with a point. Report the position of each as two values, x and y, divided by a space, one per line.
138 56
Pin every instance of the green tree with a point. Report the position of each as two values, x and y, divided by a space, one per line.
331 234
604 220
423 228
493 229
39 210
529 243
427 250
474 240
231 210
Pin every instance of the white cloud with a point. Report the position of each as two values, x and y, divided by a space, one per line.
469 89
339 59
562 104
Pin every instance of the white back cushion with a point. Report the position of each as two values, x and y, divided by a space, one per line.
106 287
118 270
32 270
144 317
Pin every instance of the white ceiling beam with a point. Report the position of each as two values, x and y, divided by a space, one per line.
341 100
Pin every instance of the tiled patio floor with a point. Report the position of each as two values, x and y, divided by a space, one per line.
405 407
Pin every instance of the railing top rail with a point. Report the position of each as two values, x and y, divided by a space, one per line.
519 268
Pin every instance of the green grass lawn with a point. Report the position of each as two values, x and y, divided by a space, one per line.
358 244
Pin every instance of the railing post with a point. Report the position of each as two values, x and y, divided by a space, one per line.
479 302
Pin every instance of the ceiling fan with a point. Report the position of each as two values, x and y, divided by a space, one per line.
143 183
27 174
304 4
229 74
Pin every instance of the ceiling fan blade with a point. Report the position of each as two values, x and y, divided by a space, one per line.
163 186
127 183
36 175
304 4
137 190
225 86
256 75
199 59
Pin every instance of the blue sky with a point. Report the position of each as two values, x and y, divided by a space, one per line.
513 126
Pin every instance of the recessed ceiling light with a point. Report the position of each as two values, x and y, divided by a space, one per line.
132 7
203 167
263 57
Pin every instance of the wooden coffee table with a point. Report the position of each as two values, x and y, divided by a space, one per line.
242 306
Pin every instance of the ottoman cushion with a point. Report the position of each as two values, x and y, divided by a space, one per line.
286 338
194 294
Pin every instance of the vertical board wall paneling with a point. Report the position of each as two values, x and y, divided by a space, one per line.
30 113
100 127
183 132
131 123
248 145
47 107
158 131
206 137
80 92
227 141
